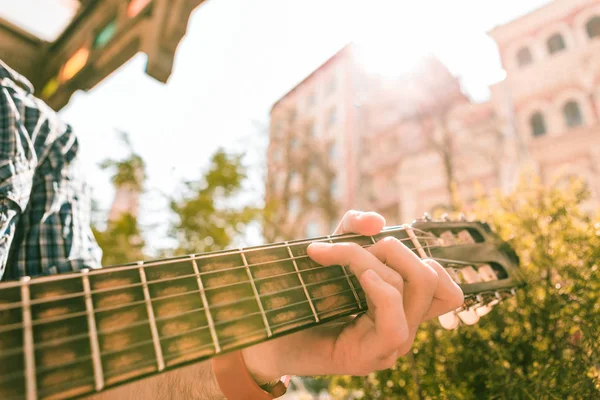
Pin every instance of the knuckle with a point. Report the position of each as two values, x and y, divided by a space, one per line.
428 274
399 339
351 247
390 242
396 280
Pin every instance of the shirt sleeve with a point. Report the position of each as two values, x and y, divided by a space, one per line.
17 166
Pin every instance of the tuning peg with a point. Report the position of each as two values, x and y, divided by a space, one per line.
469 275
462 217
487 273
483 310
424 218
445 217
454 275
449 320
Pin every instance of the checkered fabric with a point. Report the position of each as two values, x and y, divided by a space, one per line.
45 206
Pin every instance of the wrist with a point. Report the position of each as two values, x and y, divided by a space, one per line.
261 367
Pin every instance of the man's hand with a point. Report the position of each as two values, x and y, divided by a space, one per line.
401 289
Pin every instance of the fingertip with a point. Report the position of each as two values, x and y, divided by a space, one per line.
370 223
315 248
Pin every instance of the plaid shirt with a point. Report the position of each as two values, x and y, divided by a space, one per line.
44 201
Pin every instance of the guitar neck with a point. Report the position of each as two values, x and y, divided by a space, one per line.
69 335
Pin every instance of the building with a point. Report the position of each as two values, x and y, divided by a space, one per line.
416 144
552 88
314 125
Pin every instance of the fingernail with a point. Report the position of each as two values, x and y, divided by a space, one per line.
372 275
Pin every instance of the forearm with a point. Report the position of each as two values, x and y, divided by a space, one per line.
194 382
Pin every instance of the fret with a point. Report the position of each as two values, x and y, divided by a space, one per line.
231 300
153 329
402 235
211 324
310 302
354 293
31 380
12 355
91 318
259 302
411 234
63 355
326 286
122 322
280 288
179 311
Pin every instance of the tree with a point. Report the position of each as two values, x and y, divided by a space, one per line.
121 241
543 344
208 216
300 180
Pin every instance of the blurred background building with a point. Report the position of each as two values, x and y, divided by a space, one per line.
414 143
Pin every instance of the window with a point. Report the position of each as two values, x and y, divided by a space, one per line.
332 85
332 118
556 43
333 188
524 57
312 99
293 206
333 151
593 27
572 114
313 196
293 143
312 130
537 124
312 229
294 178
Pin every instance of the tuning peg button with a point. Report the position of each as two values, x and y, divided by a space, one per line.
469 317
449 320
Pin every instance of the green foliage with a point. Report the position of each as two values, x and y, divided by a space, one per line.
121 242
207 216
543 344
129 171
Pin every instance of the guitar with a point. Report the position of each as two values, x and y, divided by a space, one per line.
69 335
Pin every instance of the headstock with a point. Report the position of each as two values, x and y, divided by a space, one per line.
485 267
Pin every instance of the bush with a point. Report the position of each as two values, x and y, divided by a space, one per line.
542 344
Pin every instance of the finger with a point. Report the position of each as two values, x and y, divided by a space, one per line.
355 257
386 312
363 223
448 295
420 280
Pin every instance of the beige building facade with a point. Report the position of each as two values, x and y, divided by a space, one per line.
399 142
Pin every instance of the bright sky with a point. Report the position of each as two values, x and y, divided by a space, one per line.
240 56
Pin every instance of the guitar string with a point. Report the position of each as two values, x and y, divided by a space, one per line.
16 305
19 325
10 351
158 298
166 318
152 362
19 304
77 383
387 231
349 306
290 323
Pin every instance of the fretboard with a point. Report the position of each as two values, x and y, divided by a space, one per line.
69 335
